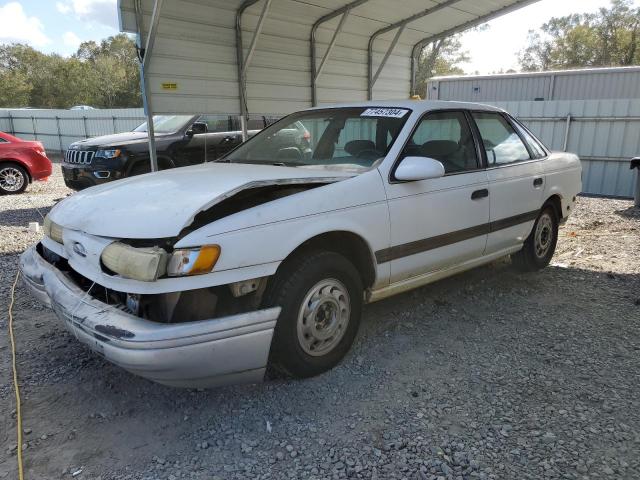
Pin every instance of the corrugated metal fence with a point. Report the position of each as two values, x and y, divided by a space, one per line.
56 129
604 133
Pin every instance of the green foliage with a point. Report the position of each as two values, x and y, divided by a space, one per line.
102 75
442 57
610 37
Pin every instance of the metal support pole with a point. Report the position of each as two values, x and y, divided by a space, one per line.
145 52
332 44
567 130
86 130
13 127
59 133
385 59
33 125
242 92
314 30
115 128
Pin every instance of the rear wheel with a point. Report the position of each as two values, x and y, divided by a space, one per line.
540 246
13 179
321 297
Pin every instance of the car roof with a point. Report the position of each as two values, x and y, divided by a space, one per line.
419 106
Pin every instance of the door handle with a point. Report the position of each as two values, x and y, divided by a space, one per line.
538 182
228 139
478 194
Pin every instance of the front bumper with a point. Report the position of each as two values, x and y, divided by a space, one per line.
206 353
81 177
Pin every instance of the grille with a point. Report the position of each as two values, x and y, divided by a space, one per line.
79 157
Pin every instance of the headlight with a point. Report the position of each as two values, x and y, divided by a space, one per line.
194 261
114 153
52 230
144 264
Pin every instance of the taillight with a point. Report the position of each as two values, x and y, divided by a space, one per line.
39 148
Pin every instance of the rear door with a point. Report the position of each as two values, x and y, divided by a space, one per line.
516 181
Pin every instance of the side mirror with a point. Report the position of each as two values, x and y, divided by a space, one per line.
412 169
197 128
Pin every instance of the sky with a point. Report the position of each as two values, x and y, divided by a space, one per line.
60 25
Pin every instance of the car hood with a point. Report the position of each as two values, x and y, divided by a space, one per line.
162 204
115 140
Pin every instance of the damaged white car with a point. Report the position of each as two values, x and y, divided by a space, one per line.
206 275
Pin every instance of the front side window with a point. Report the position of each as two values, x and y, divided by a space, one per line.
501 142
446 137
2 140
354 138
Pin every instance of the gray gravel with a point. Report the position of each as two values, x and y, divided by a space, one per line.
488 375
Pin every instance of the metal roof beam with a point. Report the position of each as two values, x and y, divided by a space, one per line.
388 54
256 36
316 71
460 28
400 25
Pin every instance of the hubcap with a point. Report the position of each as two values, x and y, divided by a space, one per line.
323 317
544 235
11 179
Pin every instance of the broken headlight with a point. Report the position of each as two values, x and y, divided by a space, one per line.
195 261
149 264
52 230
144 264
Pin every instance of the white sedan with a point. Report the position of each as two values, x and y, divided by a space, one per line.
205 275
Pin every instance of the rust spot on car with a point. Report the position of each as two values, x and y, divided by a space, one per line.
114 331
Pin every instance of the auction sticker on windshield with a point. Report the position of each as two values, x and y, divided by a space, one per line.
384 112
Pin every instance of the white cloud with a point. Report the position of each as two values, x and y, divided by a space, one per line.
16 26
104 12
70 39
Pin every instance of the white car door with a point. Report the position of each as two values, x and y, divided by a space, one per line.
516 181
440 222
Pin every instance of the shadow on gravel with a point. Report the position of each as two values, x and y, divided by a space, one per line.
631 212
20 217
450 362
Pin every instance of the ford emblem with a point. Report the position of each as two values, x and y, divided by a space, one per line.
79 249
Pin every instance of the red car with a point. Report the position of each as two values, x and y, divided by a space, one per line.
21 162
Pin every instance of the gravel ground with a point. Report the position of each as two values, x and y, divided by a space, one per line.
487 375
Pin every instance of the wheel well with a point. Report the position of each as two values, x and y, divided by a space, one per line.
163 163
351 246
556 203
19 164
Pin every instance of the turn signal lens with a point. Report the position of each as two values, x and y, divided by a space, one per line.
193 261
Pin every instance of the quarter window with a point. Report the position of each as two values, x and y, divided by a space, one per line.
2 140
501 142
532 142
446 137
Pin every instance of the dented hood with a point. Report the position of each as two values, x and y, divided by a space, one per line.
162 204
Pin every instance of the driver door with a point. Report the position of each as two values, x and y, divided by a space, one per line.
441 222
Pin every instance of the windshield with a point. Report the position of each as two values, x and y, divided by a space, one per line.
166 123
343 137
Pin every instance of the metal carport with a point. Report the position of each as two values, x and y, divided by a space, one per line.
273 57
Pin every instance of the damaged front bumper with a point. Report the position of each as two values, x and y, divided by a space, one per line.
227 350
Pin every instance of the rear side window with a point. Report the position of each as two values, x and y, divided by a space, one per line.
446 137
532 142
2 140
217 123
501 142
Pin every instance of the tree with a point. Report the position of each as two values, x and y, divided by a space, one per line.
442 57
102 75
610 37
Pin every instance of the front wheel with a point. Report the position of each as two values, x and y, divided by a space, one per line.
13 179
540 246
321 297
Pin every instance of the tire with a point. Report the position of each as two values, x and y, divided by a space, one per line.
540 246
13 179
305 345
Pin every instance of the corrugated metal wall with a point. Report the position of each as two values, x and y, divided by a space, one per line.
56 129
604 133
608 83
